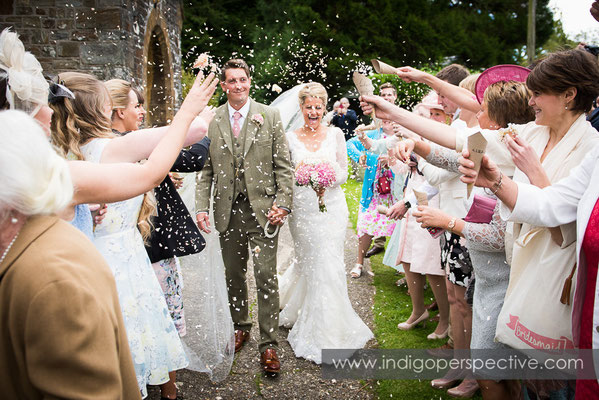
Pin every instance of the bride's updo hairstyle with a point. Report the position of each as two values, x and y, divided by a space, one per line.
76 121
313 89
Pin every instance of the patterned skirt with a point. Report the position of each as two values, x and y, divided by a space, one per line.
456 259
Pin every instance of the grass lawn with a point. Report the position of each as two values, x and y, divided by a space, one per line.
392 305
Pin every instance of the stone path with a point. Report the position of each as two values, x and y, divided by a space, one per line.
299 379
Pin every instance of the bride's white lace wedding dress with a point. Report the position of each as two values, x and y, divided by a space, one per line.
313 290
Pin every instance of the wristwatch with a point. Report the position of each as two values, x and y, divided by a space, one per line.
451 223
407 204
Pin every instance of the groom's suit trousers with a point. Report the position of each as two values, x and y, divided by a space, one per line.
244 231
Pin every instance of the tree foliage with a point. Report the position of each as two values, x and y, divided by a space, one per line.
289 42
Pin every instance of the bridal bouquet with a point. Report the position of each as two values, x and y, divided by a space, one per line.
316 174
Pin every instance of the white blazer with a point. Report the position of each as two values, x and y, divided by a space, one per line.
571 199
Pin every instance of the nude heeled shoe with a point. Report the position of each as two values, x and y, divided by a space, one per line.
406 326
435 336
464 390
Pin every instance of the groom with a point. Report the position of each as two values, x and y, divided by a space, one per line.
249 166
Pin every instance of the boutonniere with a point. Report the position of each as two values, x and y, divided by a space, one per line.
258 119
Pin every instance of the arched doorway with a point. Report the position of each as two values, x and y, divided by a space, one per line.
159 88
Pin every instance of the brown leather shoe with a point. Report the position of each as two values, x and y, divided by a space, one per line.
240 338
270 361
373 251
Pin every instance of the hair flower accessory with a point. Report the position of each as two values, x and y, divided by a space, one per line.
258 119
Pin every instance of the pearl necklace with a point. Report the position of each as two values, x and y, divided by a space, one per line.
9 246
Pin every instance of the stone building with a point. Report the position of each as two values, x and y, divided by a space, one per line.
135 40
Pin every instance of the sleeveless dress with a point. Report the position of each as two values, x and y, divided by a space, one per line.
154 342
313 290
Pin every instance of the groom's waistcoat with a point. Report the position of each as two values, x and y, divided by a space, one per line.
256 164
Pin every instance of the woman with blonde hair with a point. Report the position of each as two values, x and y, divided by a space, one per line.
176 235
58 300
81 128
314 289
127 109
23 87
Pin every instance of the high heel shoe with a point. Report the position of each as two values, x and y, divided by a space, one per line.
435 336
443 383
406 326
464 390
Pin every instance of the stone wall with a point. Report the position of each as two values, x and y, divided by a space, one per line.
135 40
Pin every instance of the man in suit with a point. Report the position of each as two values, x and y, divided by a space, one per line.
249 166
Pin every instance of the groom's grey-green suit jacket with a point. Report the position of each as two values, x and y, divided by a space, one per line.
267 167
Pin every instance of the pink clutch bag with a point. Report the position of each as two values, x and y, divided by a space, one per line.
435 232
482 209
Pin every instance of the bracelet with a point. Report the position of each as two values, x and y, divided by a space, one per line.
497 185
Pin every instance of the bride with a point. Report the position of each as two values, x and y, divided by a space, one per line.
313 290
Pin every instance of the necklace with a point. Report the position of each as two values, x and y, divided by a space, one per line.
9 246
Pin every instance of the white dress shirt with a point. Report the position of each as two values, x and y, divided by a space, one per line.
243 111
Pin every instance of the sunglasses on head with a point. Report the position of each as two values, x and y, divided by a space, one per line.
58 91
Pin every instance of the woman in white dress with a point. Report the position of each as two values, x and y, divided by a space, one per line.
313 290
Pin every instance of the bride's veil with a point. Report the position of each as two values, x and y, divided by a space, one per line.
288 105
209 342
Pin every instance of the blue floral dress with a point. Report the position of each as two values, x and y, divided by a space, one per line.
154 342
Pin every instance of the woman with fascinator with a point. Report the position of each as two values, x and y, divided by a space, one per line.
313 290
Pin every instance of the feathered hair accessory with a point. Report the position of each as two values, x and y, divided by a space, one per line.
27 88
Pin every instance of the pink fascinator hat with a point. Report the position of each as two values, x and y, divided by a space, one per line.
429 102
499 73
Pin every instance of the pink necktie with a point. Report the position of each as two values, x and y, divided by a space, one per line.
236 127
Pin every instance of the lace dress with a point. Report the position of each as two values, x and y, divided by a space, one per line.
313 290
153 340
486 245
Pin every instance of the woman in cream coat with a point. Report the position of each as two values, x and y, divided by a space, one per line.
572 199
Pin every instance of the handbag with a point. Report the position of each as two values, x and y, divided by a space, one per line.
383 183
481 211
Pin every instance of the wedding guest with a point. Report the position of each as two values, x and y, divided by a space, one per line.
175 233
371 224
127 106
452 74
455 259
329 117
345 119
574 198
484 233
81 127
61 329
418 253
